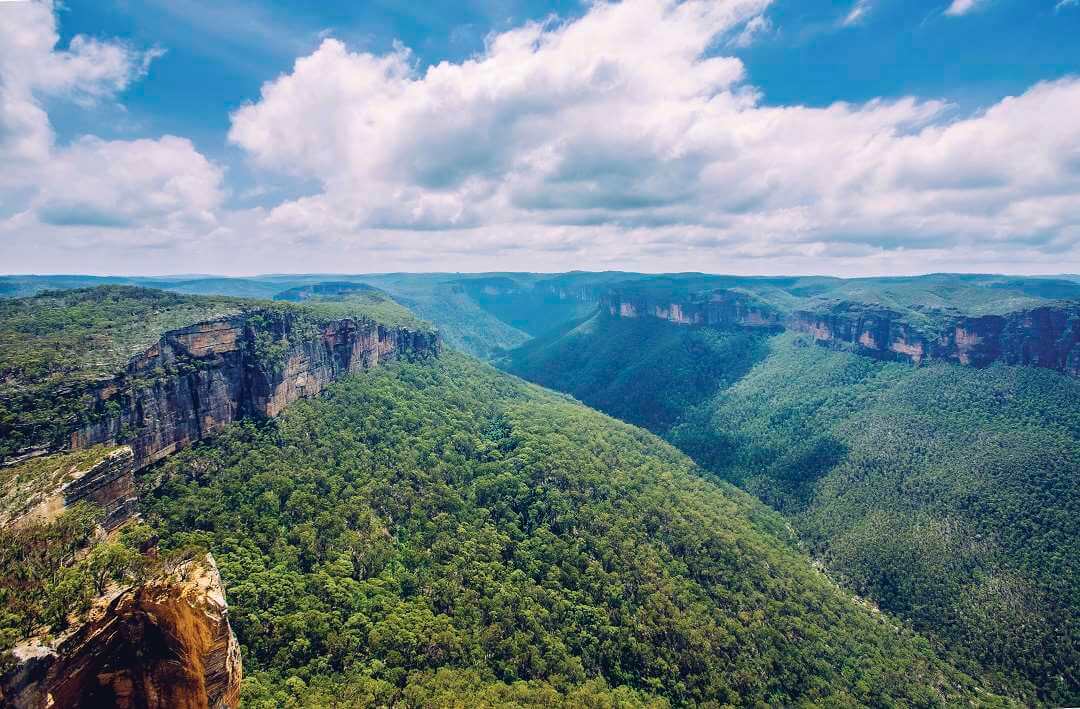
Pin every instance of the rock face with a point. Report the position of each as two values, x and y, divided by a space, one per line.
198 379
721 308
1046 337
108 483
166 644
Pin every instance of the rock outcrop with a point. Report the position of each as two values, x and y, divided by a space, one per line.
1047 336
198 379
719 308
107 482
165 644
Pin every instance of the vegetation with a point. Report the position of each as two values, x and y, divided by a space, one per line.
57 346
644 371
24 483
51 570
431 533
437 531
533 308
353 300
946 494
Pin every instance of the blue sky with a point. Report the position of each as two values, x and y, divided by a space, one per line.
218 57
371 158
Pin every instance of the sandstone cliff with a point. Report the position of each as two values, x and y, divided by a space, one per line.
164 644
40 489
1042 337
1047 336
719 308
198 379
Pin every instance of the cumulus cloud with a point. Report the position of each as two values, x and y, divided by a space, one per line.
129 183
162 183
621 139
628 122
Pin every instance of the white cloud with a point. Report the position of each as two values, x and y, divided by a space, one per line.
625 122
141 184
962 7
752 30
622 139
130 183
1062 4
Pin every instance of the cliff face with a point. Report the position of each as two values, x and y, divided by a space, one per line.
164 644
107 481
1043 337
722 308
196 380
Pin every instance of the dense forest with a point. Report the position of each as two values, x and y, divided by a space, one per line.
436 531
441 530
948 495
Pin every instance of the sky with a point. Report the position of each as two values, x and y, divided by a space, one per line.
846 137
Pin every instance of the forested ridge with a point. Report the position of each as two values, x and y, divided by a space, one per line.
946 494
441 533
438 532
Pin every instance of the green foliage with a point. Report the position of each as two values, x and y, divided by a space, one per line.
533 308
53 346
441 533
56 346
52 570
26 482
39 583
945 494
644 371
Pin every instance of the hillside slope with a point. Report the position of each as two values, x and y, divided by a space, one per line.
947 494
440 530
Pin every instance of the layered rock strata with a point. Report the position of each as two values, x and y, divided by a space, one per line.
1047 336
720 308
108 483
198 379
165 644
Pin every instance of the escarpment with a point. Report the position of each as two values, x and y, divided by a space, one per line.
198 379
191 382
41 489
720 308
166 643
1047 336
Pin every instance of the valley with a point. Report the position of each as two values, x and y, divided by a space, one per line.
396 522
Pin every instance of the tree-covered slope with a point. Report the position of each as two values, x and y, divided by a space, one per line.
645 371
443 533
948 495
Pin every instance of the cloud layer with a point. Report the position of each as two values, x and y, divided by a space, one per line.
161 185
627 120
625 138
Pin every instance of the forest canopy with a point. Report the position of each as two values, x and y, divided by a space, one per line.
443 528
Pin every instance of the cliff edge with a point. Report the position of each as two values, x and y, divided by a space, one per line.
164 644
